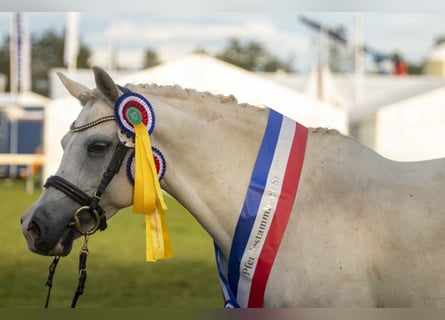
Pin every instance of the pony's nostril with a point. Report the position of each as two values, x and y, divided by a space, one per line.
21 220
34 228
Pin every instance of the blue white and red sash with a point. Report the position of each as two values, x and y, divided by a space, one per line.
265 213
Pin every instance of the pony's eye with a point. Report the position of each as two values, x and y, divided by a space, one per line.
98 147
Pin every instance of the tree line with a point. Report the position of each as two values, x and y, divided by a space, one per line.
47 51
48 48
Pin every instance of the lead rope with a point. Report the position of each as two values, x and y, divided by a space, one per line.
49 282
82 274
82 271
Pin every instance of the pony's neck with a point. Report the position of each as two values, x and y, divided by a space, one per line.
210 145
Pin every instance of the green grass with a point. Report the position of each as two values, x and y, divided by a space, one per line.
118 275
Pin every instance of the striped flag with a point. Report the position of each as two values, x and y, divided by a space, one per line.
20 54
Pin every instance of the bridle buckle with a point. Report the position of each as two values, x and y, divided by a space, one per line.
96 196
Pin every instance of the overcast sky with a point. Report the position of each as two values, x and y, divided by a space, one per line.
224 5
175 33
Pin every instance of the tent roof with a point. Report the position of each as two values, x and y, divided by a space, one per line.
83 76
205 73
437 53
378 90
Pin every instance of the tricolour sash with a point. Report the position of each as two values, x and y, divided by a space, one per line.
265 213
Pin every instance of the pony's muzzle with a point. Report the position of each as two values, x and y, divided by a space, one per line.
46 233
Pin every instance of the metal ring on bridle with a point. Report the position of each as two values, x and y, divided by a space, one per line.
83 230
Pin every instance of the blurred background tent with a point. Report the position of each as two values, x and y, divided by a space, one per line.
21 127
205 73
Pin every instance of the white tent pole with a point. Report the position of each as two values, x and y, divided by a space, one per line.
15 53
358 58
71 49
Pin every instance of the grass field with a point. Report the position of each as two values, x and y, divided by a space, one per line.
118 275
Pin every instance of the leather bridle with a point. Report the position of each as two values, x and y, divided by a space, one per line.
89 205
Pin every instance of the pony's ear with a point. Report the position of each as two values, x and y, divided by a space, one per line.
77 90
106 85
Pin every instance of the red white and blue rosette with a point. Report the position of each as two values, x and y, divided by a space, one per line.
159 160
132 108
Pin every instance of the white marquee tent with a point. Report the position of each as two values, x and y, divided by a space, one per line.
413 129
435 61
401 118
205 73
59 114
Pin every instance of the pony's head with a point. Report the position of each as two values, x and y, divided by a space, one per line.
74 201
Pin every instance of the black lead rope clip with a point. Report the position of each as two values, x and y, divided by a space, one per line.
84 250
82 271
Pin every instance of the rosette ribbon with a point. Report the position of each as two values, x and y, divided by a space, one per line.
134 113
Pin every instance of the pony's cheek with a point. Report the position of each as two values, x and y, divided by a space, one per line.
118 195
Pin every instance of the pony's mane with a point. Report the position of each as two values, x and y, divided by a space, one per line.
169 91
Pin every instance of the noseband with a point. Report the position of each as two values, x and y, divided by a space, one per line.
89 205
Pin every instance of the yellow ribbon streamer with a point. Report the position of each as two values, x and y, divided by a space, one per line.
148 198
